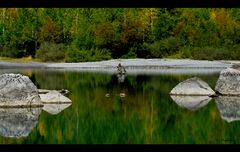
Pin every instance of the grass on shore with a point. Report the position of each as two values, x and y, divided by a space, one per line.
24 59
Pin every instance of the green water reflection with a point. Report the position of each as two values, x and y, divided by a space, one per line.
145 115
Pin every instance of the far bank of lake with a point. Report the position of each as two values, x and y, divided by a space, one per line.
133 66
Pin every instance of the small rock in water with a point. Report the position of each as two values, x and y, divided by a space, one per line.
122 95
54 96
107 95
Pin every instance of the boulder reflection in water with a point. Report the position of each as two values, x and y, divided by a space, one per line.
229 107
192 103
18 122
55 109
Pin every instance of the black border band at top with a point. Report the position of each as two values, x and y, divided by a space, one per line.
119 3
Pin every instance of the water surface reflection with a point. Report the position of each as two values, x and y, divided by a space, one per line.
191 102
99 114
18 122
229 107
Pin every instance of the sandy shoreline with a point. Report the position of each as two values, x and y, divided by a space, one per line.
128 63
131 65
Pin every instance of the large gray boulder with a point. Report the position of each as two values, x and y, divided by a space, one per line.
193 86
192 103
18 122
229 107
17 90
228 82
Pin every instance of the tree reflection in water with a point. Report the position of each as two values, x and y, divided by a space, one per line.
146 114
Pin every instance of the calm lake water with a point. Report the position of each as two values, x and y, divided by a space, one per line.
101 114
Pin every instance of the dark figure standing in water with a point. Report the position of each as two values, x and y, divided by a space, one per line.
121 69
121 73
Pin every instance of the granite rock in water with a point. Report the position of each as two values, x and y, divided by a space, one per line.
229 107
18 122
54 96
54 102
192 103
192 86
17 90
228 82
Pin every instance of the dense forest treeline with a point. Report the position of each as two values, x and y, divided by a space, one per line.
92 34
